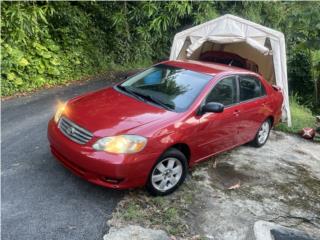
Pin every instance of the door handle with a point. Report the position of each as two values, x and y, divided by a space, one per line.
236 112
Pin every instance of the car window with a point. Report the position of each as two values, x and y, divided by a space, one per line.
167 85
224 92
153 78
250 87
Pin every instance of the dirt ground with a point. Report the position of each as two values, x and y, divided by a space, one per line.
224 197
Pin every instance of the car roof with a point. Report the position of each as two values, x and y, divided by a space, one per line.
206 67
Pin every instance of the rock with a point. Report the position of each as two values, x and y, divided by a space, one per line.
268 231
135 233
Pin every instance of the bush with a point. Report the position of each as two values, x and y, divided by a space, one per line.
37 53
47 43
301 117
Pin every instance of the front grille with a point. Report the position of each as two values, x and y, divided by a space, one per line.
73 131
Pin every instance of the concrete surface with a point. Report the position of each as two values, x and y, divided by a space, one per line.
279 183
135 233
40 198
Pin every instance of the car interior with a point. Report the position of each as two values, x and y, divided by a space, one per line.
224 92
230 59
249 88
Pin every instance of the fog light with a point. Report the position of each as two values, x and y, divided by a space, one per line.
112 180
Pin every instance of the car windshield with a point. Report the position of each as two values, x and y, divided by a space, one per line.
170 87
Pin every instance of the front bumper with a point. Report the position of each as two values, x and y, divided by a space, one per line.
120 171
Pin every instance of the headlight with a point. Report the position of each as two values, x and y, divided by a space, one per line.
121 144
60 109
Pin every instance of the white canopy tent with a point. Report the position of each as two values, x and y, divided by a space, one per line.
262 45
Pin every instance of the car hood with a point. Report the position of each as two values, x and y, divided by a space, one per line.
109 112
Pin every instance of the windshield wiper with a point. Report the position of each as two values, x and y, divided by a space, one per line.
156 100
144 96
133 93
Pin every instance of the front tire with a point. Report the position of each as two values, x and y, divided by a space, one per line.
262 134
168 173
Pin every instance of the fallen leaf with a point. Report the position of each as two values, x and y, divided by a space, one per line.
236 186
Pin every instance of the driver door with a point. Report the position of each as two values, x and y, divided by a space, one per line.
217 131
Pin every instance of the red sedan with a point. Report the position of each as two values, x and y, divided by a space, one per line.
149 129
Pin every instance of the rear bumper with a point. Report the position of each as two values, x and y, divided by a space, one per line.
120 171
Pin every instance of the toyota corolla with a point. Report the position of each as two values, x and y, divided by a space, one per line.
151 128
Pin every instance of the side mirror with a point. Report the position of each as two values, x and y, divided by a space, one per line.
213 107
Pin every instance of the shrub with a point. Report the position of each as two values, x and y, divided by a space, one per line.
301 117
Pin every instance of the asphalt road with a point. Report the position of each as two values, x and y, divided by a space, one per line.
40 198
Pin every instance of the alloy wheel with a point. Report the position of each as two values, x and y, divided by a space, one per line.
263 132
166 174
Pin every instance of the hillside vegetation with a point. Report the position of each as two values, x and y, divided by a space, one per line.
48 43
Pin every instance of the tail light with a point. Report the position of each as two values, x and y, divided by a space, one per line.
276 88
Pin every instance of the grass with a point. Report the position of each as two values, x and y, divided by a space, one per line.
166 213
175 213
133 212
301 117
155 210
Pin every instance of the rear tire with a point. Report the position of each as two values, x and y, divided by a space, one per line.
263 134
168 173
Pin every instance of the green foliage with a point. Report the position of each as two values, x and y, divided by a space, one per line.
301 117
46 43
300 75
302 31
49 43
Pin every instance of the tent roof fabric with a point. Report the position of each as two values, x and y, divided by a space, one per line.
227 30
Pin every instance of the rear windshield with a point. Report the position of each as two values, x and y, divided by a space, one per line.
171 87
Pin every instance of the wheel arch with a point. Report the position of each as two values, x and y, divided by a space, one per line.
184 148
271 117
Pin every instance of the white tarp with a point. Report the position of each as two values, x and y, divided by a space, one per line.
252 41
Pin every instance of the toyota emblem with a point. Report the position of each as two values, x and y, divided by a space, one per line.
71 130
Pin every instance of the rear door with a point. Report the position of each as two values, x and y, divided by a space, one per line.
253 109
